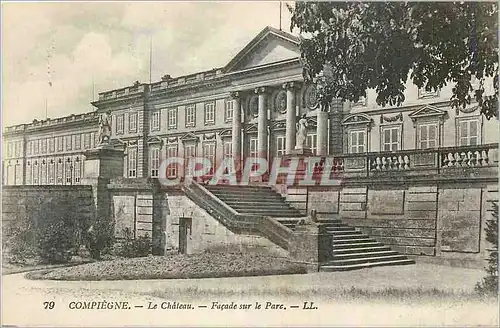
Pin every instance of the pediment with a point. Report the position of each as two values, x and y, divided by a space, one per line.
189 137
269 46
427 111
227 133
357 119
154 140
251 128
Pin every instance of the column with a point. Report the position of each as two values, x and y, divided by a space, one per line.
262 123
236 131
322 132
290 116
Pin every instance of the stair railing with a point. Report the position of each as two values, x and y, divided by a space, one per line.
220 210
264 226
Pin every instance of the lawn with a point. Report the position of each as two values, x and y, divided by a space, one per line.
206 265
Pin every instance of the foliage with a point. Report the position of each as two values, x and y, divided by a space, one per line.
134 247
357 46
99 238
49 229
489 285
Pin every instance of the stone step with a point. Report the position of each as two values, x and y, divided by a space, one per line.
356 236
245 192
359 249
343 231
331 268
270 213
237 206
339 242
369 259
356 254
231 187
350 244
340 229
334 225
248 198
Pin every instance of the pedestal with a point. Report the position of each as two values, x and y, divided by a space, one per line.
310 245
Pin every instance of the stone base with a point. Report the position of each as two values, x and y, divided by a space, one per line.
301 152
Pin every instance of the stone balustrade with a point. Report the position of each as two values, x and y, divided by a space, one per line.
413 162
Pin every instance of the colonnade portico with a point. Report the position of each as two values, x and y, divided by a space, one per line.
262 123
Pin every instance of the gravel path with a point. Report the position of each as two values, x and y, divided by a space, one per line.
23 300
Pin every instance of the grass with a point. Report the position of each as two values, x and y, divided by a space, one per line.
11 268
206 265
403 295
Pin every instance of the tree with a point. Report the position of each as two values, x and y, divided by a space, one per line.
359 46
489 284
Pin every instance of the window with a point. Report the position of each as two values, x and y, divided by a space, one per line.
422 93
189 152
132 122
119 124
253 153
132 163
154 161
35 173
312 142
60 144
427 135
43 173
68 142
228 149
172 168
172 118
155 120
209 153
391 138
78 170
10 149
29 173
280 145
51 172
78 141
59 172
52 147
357 142
210 113
69 171
43 146
96 139
228 110
17 149
28 148
190 115
36 145
468 134
86 140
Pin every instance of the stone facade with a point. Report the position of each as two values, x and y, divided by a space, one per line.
247 108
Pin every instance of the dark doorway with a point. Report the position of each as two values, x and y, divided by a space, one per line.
184 233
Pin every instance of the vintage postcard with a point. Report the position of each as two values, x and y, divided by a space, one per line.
256 163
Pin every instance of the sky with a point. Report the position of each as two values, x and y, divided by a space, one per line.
86 48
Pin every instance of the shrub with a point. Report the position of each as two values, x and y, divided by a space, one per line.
489 284
99 239
134 247
50 230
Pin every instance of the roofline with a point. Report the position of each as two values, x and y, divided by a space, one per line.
266 31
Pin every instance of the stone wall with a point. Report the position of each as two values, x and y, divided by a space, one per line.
206 233
445 220
19 202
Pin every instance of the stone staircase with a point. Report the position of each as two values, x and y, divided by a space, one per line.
351 249
254 200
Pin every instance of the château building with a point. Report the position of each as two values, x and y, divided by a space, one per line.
249 107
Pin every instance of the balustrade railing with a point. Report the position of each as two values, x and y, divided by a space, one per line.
437 159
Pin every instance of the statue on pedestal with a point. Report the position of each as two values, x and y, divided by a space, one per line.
301 132
104 128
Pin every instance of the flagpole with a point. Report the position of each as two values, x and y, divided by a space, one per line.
150 56
280 16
